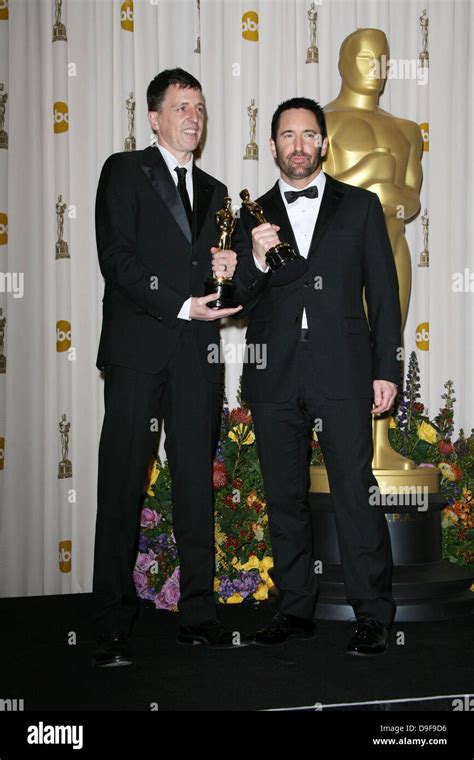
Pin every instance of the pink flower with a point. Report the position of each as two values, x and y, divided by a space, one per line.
149 518
168 597
141 582
144 561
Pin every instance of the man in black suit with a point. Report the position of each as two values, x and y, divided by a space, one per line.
325 363
156 231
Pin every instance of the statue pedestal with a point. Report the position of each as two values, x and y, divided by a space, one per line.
425 587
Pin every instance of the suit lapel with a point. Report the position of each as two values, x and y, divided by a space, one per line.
158 174
274 210
202 192
331 198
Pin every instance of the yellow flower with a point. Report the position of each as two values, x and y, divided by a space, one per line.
315 435
447 471
261 593
427 433
232 436
267 562
217 583
252 563
249 438
235 599
391 422
153 473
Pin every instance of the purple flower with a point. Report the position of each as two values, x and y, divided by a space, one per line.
149 519
226 588
144 543
141 582
144 561
168 597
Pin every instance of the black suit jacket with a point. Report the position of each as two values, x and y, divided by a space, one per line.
349 250
151 260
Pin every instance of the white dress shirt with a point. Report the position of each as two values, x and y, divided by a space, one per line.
303 215
172 163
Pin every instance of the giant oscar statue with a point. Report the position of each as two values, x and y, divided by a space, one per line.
370 148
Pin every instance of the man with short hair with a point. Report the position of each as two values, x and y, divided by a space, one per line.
155 226
325 362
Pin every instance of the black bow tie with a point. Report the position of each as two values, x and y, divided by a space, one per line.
308 192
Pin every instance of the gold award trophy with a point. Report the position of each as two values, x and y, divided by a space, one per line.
251 149
65 465
312 54
59 30
424 59
130 142
286 265
225 223
425 254
62 250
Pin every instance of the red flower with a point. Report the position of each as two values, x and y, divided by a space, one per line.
231 541
237 483
418 407
445 447
229 502
240 415
219 475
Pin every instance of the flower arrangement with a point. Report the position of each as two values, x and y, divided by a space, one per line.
430 443
242 543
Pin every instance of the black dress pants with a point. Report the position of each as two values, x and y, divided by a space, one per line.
189 406
283 432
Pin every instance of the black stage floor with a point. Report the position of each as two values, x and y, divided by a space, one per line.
47 645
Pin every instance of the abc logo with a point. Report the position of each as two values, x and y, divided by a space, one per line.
425 134
250 26
423 336
126 15
2 453
3 10
61 117
63 335
65 550
3 228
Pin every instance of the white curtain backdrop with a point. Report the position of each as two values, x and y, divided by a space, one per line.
81 85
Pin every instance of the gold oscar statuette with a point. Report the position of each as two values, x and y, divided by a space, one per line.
285 263
130 142
62 249
223 286
312 53
424 57
386 161
3 106
425 254
197 49
251 149
59 30
65 465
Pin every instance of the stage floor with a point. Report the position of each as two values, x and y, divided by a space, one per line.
39 665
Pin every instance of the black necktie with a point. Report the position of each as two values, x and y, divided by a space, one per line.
308 192
181 172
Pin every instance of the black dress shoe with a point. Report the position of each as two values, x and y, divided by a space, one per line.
112 651
370 638
211 633
284 627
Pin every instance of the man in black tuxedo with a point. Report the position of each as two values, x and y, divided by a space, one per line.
325 363
156 231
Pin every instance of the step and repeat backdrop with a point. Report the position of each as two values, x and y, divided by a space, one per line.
73 78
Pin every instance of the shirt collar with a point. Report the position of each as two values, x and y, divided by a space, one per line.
172 162
319 181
